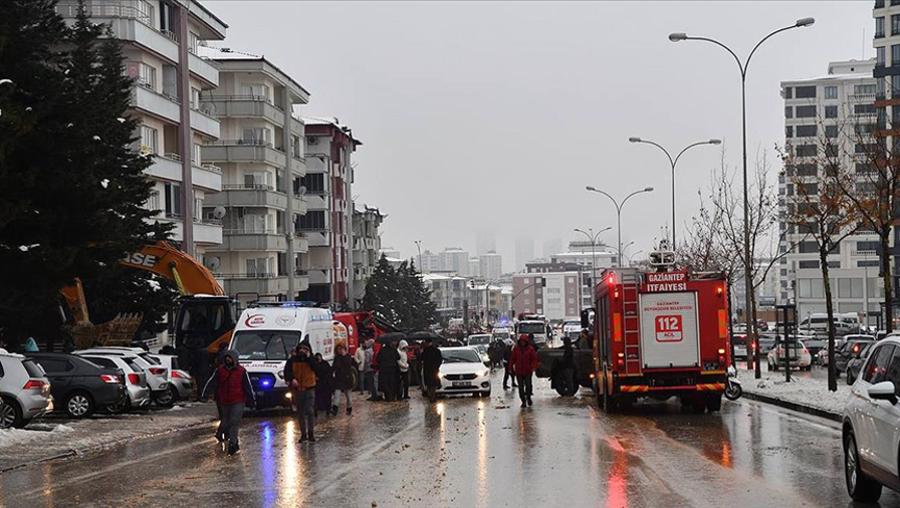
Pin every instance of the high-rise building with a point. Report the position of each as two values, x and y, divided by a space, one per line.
328 220
160 43
431 262
553 294
366 246
455 260
838 106
474 267
485 242
261 156
524 252
490 266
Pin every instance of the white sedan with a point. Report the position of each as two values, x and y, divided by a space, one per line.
463 372
799 356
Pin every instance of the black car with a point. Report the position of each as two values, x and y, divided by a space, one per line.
80 387
855 364
849 350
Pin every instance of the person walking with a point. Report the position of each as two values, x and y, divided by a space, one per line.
300 374
368 369
220 360
388 370
403 365
524 361
431 360
324 385
360 358
507 367
343 378
231 385
564 374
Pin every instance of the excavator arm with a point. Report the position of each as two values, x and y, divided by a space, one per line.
163 259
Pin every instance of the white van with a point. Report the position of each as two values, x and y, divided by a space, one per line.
264 338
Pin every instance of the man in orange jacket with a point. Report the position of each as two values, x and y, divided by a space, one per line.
523 362
300 374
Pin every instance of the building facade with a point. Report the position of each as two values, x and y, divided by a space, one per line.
328 221
837 109
490 266
160 42
366 246
454 259
261 156
553 294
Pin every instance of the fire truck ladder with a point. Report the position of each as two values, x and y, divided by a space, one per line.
631 326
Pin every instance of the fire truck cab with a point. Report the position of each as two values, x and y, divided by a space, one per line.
660 334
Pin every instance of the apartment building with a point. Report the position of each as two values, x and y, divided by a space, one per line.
261 155
837 109
490 266
328 220
454 259
160 43
366 246
553 294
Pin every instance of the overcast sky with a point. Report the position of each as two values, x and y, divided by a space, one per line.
493 117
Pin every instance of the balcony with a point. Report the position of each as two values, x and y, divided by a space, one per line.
254 240
156 104
318 238
300 206
301 243
264 284
168 167
245 106
239 150
244 195
203 69
205 124
205 233
319 275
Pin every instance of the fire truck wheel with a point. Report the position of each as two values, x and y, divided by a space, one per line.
714 403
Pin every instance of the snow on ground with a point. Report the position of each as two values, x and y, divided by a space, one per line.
803 390
54 436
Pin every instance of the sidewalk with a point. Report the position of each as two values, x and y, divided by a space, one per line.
803 393
55 437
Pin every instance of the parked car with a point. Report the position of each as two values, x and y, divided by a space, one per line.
870 436
157 375
24 390
135 379
80 387
463 372
766 343
855 365
739 343
181 382
481 342
814 344
797 355
848 351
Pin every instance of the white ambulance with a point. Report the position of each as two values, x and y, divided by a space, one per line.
265 336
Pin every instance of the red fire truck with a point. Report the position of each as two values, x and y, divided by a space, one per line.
660 334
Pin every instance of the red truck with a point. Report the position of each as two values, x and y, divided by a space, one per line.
660 334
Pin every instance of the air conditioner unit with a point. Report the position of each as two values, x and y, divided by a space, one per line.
312 140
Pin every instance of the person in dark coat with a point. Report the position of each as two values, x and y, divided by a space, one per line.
507 368
300 375
388 370
431 359
343 378
232 388
524 361
563 374
324 385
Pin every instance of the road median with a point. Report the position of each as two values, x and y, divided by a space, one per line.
802 394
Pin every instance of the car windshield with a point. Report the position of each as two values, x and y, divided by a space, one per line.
532 328
501 335
479 339
460 356
265 345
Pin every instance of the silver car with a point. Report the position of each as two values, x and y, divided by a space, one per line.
181 382
24 390
135 380
157 375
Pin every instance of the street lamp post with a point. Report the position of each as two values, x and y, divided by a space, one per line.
633 254
619 206
593 239
673 162
748 263
419 248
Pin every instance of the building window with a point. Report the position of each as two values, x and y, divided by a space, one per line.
788 131
149 140
789 112
788 92
805 92
256 136
807 264
257 180
173 200
314 183
867 246
831 131
879 57
195 154
805 111
195 98
193 42
147 76
806 131
806 150
879 26
807 247
256 91
808 189
153 201
864 109
831 111
867 263
895 54
314 219
831 92
895 24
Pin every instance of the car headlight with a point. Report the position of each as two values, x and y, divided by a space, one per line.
485 373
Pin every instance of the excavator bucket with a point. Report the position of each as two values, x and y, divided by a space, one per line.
117 332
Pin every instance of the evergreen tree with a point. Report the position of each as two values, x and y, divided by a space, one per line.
382 292
71 182
419 300
399 296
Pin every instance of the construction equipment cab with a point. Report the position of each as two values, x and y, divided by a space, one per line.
265 336
660 334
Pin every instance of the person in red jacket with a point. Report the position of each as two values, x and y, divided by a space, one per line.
232 388
523 362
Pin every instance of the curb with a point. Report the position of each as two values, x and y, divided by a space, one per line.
800 408
107 446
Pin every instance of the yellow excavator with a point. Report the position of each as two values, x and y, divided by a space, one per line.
205 316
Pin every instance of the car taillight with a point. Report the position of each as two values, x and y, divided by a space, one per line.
33 384
158 371
134 378
109 378
177 375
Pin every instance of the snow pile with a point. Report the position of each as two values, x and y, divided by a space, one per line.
802 390
9 437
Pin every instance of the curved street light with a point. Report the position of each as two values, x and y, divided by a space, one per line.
592 237
673 161
619 206
742 66
633 254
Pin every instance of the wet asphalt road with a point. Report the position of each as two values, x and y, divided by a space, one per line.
470 452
